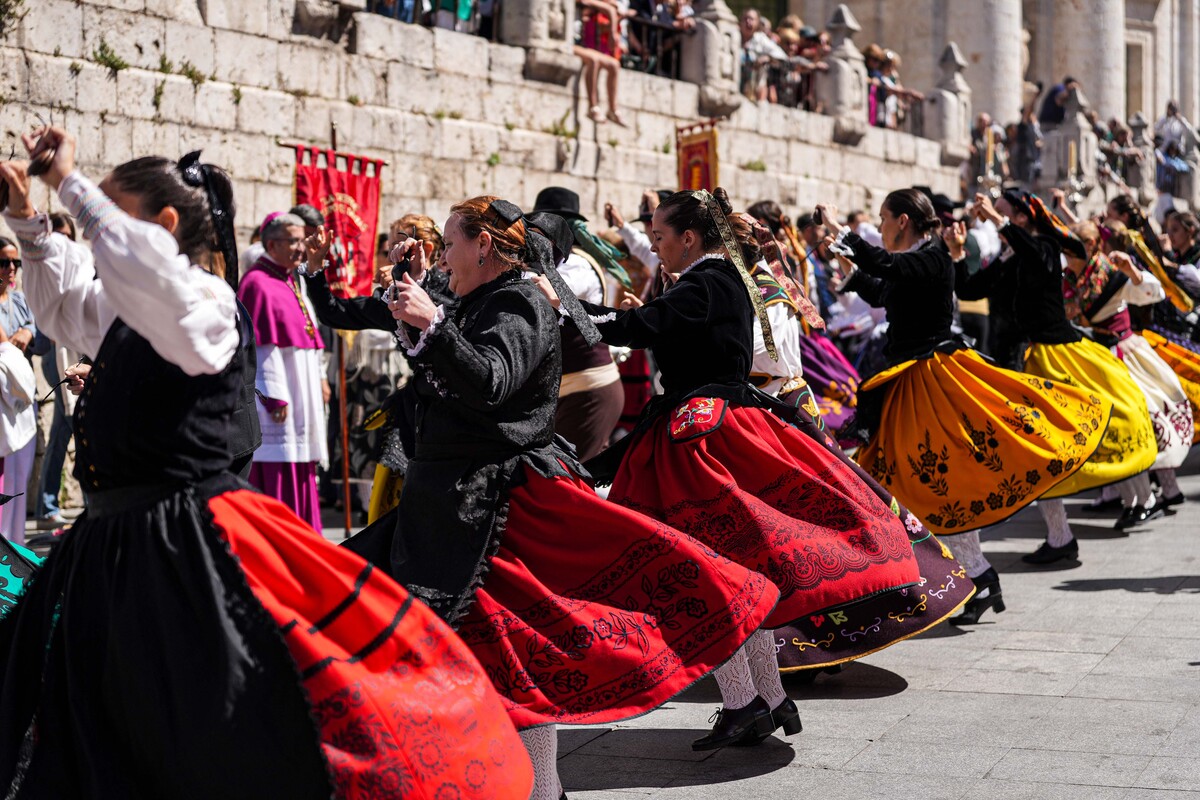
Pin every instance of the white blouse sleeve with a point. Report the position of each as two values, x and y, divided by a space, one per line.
59 282
1148 292
785 330
188 315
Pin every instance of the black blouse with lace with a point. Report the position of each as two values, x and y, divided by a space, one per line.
701 329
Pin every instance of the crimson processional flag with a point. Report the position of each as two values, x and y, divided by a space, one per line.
345 187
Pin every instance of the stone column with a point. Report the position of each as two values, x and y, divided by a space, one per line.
1139 175
948 118
843 89
711 58
545 28
990 37
1090 47
1188 65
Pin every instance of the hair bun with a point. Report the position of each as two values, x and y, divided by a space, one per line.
722 198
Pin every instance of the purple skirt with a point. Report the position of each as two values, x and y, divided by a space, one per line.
832 378
293 484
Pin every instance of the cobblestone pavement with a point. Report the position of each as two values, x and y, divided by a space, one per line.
1087 687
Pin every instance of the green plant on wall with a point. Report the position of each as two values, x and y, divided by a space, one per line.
11 14
105 56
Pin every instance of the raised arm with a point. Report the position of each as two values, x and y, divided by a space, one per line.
188 315
685 305
347 314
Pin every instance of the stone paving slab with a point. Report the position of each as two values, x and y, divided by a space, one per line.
1087 688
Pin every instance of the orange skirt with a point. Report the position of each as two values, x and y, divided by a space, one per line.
965 444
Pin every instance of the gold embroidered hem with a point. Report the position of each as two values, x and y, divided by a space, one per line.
1129 445
1186 365
965 444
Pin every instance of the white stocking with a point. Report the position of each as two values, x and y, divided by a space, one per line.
1058 529
760 652
542 745
1136 491
735 681
966 550
1108 493
1166 480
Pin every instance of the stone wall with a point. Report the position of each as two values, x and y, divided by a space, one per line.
453 114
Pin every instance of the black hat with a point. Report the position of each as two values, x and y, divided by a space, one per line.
646 216
943 205
557 230
808 32
311 216
559 200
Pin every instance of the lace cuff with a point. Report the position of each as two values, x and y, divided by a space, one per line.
839 245
32 234
91 207
415 349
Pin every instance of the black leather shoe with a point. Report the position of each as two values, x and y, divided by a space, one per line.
786 716
1049 555
734 725
987 595
1171 502
1098 506
1139 515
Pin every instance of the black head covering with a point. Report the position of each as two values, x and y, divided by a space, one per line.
556 229
198 175
540 258
559 200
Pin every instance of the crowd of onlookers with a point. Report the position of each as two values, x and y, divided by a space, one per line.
1013 152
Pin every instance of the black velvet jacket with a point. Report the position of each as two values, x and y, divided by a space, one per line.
486 379
1027 285
916 289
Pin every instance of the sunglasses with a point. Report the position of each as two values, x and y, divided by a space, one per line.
7 263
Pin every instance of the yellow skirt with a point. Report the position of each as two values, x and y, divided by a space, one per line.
1129 446
385 492
1186 364
965 444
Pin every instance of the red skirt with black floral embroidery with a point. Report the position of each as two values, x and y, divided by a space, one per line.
592 613
775 498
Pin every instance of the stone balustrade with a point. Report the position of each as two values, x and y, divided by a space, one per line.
453 114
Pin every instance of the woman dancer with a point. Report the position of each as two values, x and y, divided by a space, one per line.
963 443
830 377
1099 293
1060 355
582 611
896 615
749 476
190 638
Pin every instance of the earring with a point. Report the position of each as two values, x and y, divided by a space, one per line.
481 261
685 251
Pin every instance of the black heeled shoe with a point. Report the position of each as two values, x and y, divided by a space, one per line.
1046 554
735 724
785 715
1139 515
1171 502
987 595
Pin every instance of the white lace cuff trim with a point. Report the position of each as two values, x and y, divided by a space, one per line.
438 318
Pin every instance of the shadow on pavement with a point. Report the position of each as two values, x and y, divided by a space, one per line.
857 681
1008 562
1170 584
722 766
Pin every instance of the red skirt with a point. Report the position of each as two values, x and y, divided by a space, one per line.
402 708
204 642
591 613
775 500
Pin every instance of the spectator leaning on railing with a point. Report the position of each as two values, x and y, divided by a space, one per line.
598 46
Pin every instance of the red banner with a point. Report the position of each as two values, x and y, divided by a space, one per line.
345 188
697 160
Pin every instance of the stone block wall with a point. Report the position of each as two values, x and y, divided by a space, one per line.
452 113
